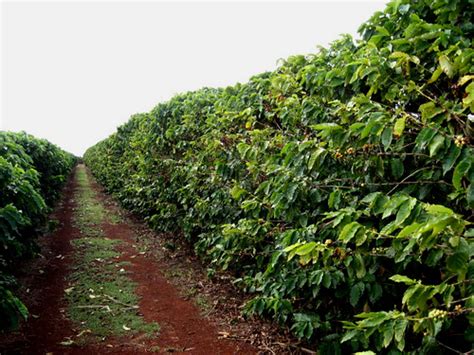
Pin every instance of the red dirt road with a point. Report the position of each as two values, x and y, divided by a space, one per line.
183 329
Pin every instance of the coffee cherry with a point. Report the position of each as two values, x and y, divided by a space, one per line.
460 141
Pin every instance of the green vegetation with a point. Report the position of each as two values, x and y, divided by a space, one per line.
89 213
339 188
184 279
32 173
101 298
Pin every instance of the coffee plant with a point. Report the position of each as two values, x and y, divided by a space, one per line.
32 172
338 189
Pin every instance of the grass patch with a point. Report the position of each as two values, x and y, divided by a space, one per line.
101 299
89 213
114 218
203 303
95 249
184 276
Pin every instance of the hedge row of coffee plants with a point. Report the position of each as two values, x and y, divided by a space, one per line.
32 172
339 189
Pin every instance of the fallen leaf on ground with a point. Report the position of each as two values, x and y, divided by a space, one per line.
223 334
83 332
67 342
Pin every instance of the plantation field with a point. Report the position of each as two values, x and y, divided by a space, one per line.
338 189
329 205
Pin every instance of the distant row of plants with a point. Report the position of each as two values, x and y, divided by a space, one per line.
339 189
32 173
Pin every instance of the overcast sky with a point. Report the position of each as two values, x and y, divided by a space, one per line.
74 71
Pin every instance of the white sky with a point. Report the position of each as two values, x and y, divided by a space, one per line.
72 72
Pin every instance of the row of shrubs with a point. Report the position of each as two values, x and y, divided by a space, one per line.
32 173
339 188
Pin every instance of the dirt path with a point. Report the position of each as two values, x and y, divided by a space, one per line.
50 331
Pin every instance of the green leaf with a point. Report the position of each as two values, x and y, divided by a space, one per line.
405 210
291 247
459 172
360 238
372 319
436 144
400 55
317 277
359 266
403 279
399 328
450 159
393 205
470 195
457 263
388 332
468 100
305 259
446 65
236 192
429 110
399 126
409 230
316 156
290 191
424 137
397 168
375 293
435 75
243 148
438 209
349 231
371 127
466 78
403 9
370 198
334 199
327 280
305 249
305 145
382 30
356 292
469 233
386 137
326 126
349 335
